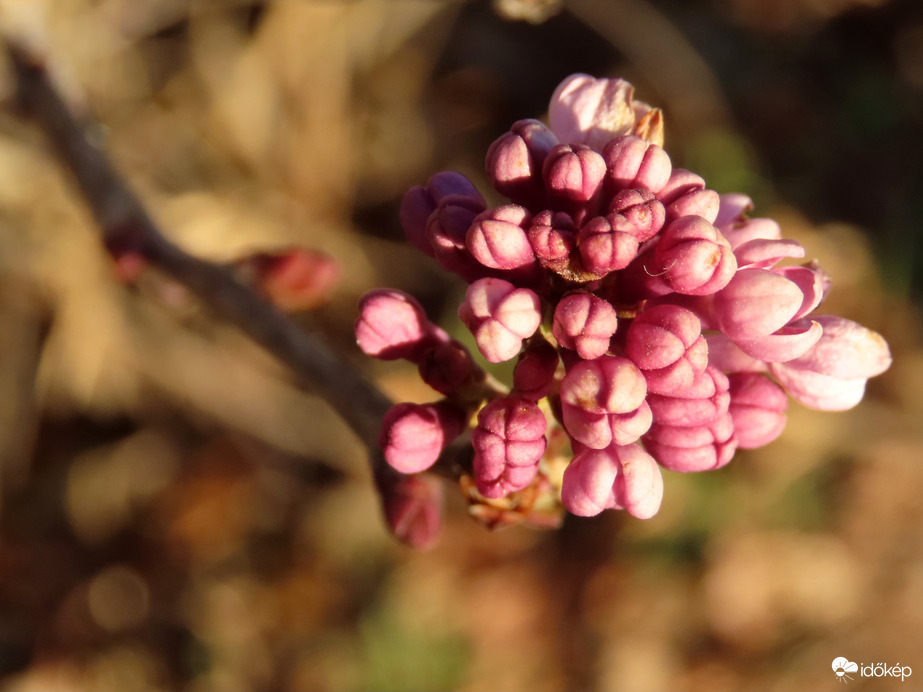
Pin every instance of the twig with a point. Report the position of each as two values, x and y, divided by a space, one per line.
128 229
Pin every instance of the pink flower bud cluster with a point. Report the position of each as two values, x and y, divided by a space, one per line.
652 319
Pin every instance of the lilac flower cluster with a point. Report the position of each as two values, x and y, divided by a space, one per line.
651 317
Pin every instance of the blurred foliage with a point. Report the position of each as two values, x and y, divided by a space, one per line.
174 515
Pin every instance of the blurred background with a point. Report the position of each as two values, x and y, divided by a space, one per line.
175 515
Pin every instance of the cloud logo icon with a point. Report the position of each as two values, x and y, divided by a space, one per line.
842 666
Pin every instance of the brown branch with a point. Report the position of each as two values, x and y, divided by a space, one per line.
128 229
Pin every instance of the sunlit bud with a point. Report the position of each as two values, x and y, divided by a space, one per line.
514 161
497 238
607 244
584 323
500 316
666 343
832 375
509 441
392 325
633 163
585 110
617 477
641 209
694 257
414 435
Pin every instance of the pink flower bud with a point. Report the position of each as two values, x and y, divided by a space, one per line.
607 244
755 303
446 230
678 184
500 316
696 202
813 281
618 477
392 325
497 238
762 253
643 211
420 202
414 435
293 279
552 236
413 508
533 375
741 232
831 376
573 175
509 441
758 407
695 448
725 355
589 111
448 368
514 161
789 342
584 323
603 400
633 163
702 403
733 209
694 257
666 343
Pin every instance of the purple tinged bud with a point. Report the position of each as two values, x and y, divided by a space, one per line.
694 257
413 435
584 323
618 477
831 376
497 238
413 508
756 303
514 161
678 184
534 373
633 163
500 316
589 111
448 368
606 244
694 448
666 343
758 407
702 203
509 442
553 237
446 230
642 210
392 325
733 209
420 202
